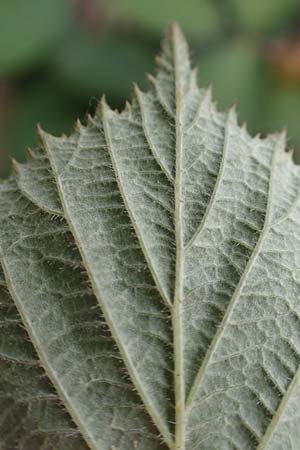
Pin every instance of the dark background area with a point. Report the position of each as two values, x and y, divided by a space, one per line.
57 57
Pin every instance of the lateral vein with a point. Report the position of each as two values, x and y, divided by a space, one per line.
216 187
276 418
201 373
148 139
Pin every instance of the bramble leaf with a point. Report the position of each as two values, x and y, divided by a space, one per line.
154 259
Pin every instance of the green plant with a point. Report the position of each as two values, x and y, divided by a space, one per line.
151 280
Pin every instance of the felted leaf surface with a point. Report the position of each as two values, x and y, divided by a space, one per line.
163 303
36 182
32 415
64 324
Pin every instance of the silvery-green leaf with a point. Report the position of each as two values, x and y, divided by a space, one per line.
188 231
36 182
32 416
137 316
66 328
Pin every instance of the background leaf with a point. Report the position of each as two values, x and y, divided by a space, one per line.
281 109
196 16
81 48
88 65
242 78
29 31
262 16
38 103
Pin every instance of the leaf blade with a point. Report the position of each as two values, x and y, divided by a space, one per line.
59 313
107 270
24 389
36 183
188 230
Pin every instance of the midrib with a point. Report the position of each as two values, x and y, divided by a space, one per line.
179 443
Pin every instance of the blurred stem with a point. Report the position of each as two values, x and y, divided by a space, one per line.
92 14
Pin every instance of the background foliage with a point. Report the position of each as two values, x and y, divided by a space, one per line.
57 57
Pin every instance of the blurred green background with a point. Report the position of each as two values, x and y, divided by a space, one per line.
58 56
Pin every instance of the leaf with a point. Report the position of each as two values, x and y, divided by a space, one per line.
64 325
36 182
163 303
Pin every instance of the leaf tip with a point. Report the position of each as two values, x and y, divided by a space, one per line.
174 43
174 31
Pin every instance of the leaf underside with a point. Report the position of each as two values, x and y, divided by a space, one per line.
150 290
